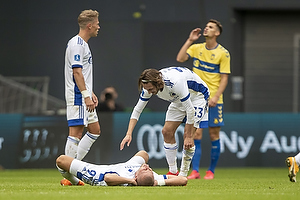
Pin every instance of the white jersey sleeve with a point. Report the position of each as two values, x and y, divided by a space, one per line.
141 104
77 54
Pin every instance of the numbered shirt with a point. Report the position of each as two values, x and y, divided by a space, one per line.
94 174
77 54
180 86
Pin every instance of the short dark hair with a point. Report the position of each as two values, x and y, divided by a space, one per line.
219 25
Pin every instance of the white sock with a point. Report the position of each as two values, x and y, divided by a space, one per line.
71 146
85 144
171 152
187 156
297 158
74 180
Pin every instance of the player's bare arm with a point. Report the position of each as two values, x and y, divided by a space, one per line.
128 137
173 180
188 136
182 55
114 179
223 84
79 79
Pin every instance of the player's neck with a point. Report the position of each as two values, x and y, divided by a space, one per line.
211 43
85 36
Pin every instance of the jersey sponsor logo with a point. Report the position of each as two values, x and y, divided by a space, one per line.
77 57
205 66
152 137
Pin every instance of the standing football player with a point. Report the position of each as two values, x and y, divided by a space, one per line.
80 98
188 95
211 61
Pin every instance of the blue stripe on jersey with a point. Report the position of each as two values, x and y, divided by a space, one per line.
198 87
101 176
76 66
207 67
185 98
144 99
77 95
165 176
80 41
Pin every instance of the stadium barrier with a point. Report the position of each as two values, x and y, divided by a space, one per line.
256 139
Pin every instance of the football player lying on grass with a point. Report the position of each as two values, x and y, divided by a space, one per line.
134 172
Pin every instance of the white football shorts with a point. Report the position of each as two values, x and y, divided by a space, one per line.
78 115
176 112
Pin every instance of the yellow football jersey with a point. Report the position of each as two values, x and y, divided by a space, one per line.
209 64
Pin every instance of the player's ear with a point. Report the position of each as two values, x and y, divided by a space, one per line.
89 26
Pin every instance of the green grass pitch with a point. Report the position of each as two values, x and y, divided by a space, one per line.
229 183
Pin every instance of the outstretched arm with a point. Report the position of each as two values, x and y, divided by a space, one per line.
172 180
138 109
128 137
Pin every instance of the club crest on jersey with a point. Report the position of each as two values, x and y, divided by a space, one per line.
212 56
77 57
172 94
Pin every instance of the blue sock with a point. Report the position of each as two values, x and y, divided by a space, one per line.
215 154
197 155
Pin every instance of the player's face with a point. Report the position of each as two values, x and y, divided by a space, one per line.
144 170
210 30
150 88
95 27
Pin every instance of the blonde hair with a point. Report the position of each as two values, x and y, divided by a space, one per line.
87 16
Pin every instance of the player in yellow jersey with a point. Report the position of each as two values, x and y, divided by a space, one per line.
211 61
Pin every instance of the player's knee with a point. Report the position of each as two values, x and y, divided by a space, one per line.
214 136
198 135
166 132
96 131
60 160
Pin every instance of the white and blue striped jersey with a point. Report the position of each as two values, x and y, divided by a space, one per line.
181 86
94 174
77 54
